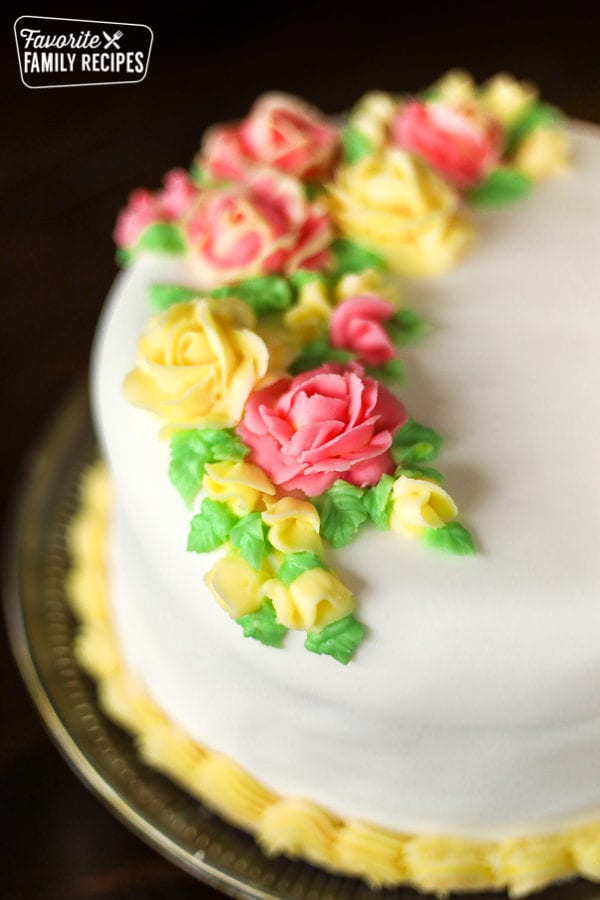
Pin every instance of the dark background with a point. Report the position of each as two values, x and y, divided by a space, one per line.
69 158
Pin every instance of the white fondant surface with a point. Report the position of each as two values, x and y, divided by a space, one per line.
473 706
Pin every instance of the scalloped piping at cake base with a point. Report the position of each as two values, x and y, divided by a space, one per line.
290 825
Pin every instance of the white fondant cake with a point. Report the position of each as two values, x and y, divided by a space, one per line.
471 706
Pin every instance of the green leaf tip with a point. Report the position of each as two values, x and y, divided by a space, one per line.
262 625
406 326
296 564
264 294
342 510
192 449
377 501
340 639
355 145
415 443
211 527
450 538
500 188
350 256
163 295
249 535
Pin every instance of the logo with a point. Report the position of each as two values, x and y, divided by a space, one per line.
78 52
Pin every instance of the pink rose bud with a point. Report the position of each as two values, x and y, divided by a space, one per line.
256 227
281 132
356 325
329 423
145 208
462 142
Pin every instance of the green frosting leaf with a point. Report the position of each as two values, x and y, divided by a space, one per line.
355 145
415 471
350 256
304 276
406 326
342 510
340 639
262 625
313 189
199 176
316 353
211 527
191 450
264 294
249 535
161 237
297 563
500 188
377 500
537 115
430 93
391 372
163 295
451 538
415 443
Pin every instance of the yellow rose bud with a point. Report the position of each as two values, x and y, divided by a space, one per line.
294 526
370 281
506 99
456 87
236 586
310 315
373 116
543 153
239 484
197 364
311 602
395 204
418 504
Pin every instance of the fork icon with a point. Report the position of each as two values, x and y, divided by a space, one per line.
112 41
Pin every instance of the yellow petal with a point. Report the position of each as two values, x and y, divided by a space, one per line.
235 585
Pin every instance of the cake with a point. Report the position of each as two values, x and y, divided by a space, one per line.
279 596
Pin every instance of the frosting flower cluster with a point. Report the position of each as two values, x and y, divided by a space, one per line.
271 373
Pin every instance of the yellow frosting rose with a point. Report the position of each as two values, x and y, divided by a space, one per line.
370 281
455 87
418 504
506 99
197 363
373 116
236 586
239 484
308 317
294 526
543 153
398 206
311 602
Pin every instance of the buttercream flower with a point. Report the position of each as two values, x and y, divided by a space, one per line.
418 504
369 281
257 227
145 208
197 363
311 602
544 152
507 99
461 142
239 484
310 314
293 526
328 423
357 325
455 87
236 586
397 205
281 132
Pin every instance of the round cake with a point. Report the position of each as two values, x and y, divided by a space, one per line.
459 744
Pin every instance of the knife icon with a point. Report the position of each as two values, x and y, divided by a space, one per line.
112 41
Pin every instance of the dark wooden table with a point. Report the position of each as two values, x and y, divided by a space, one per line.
69 158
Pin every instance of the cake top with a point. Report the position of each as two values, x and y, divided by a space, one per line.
272 375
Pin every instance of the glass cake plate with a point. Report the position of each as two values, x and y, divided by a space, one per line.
42 629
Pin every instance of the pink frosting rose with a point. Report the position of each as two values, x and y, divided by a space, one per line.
356 325
281 132
259 226
462 142
145 208
329 423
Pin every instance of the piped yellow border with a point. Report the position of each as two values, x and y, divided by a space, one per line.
290 825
